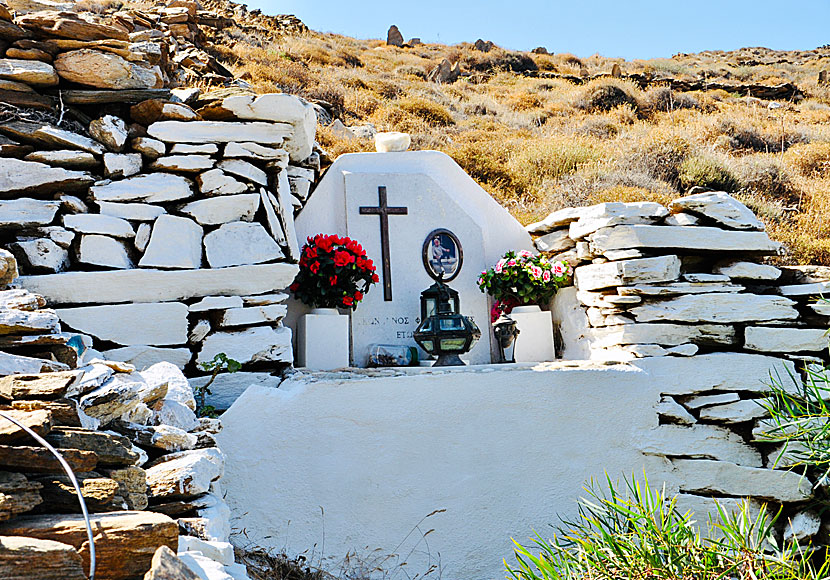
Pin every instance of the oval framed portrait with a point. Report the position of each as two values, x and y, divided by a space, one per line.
442 255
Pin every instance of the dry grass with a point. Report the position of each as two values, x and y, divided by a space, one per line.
537 144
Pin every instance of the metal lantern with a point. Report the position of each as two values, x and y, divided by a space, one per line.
506 333
443 331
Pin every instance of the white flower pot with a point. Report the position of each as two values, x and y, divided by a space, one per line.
323 340
535 340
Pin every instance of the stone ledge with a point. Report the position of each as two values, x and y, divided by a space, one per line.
146 285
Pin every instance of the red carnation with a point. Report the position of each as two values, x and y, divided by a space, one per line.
315 267
333 280
358 296
310 252
325 244
343 258
348 301
375 278
294 287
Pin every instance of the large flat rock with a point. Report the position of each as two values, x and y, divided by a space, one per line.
148 285
721 477
149 188
664 334
39 386
30 72
238 243
219 132
717 308
41 460
723 371
35 559
104 70
14 321
159 324
104 251
699 442
702 239
124 541
50 137
185 474
606 215
720 207
26 212
786 340
223 209
18 176
261 344
627 272
175 242
279 107
112 450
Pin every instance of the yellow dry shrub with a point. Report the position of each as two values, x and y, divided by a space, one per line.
809 158
432 113
628 194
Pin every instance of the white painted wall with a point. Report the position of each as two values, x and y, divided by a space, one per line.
503 452
334 463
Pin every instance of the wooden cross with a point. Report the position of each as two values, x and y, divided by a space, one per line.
384 211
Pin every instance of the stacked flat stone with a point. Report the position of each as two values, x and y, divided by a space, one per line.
148 468
93 54
176 226
688 281
657 281
31 340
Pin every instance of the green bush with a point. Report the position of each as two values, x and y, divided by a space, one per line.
706 172
638 533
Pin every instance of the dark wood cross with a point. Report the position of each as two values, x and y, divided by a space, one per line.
384 211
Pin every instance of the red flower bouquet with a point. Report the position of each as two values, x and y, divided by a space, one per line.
334 273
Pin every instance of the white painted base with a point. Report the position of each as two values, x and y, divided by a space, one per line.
535 340
323 340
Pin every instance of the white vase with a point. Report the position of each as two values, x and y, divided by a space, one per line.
323 340
535 340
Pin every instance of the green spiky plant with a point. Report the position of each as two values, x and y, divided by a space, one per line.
638 532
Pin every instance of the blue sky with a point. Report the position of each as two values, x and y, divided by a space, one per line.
614 28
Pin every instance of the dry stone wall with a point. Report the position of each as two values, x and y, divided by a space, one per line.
156 221
689 281
148 467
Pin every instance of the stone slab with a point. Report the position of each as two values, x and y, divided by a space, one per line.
18 177
239 243
720 207
261 344
700 442
223 209
721 477
219 132
147 285
786 340
717 308
702 239
627 272
175 242
153 187
157 324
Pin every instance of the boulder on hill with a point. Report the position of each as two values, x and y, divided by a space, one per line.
394 36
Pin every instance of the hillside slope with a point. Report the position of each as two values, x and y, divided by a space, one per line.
543 131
